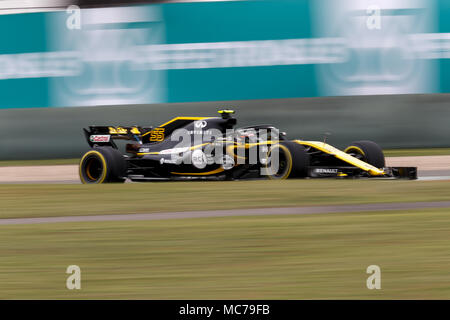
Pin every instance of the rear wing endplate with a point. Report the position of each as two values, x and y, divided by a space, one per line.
105 135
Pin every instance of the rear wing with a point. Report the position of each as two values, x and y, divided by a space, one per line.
105 135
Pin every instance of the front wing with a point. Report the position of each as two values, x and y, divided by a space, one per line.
355 172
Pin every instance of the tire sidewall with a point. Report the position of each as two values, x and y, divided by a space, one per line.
298 160
83 170
113 163
371 151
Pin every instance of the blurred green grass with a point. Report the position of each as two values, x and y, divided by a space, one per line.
322 256
417 152
69 200
75 161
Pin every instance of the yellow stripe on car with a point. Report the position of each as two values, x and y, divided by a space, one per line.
175 119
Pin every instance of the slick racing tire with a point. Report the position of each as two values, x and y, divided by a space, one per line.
293 161
102 165
367 151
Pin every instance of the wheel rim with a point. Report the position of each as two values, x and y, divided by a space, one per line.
357 153
283 164
93 169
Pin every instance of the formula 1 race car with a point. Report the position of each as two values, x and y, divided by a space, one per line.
209 148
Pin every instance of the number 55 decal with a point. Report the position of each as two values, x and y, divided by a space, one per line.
157 134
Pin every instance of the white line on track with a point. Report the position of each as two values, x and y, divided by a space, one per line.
433 178
237 212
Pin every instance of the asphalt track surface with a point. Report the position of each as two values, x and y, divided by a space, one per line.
430 168
231 213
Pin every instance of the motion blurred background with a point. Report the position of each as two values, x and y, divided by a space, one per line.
359 69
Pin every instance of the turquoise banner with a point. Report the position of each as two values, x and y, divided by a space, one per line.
218 51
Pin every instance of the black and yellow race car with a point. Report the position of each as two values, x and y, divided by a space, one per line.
210 148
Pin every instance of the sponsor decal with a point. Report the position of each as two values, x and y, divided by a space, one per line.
170 161
174 150
227 162
200 124
326 170
118 130
100 138
199 159
206 132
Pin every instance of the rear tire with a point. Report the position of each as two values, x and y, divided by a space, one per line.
102 165
367 151
293 161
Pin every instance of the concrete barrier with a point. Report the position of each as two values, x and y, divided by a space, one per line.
394 121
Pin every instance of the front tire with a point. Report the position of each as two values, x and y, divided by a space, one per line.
102 165
293 161
367 151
